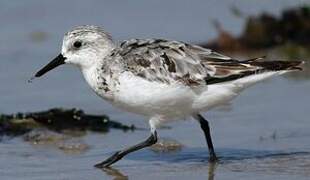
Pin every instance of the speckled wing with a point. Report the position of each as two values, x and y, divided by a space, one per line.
168 61
172 61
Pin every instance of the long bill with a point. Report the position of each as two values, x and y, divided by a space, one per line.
57 61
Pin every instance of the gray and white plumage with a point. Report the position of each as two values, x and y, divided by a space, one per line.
166 61
160 79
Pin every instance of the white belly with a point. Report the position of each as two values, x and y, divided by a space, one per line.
175 101
152 98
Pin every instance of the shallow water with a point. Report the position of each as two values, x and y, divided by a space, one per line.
263 134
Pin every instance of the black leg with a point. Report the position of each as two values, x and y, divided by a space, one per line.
204 124
120 154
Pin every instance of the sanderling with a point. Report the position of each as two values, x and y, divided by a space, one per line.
160 79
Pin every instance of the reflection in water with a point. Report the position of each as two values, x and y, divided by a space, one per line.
166 145
297 163
118 175
235 160
211 170
115 173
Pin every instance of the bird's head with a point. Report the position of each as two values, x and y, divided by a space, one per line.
83 46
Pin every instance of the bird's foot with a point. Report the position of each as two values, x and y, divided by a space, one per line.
112 159
213 158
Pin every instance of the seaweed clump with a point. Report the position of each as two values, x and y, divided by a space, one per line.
58 120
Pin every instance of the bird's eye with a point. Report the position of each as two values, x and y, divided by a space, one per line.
77 44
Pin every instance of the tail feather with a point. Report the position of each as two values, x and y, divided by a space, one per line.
270 68
255 59
278 65
229 70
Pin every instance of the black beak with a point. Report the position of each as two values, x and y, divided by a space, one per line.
59 60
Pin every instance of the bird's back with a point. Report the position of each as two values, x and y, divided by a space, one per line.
172 61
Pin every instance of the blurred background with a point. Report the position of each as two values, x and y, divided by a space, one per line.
265 132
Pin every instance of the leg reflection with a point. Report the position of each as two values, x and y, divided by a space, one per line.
211 170
118 175
115 173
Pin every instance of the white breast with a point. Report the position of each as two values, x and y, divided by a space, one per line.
91 76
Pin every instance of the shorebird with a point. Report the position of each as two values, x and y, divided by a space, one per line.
160 79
